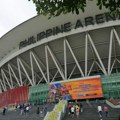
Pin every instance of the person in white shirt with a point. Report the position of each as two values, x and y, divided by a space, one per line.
100 111
73 110
27 109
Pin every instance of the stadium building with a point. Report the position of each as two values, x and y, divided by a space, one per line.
41 50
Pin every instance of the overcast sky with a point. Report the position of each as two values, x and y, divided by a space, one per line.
14 12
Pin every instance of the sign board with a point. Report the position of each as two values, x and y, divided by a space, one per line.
77 89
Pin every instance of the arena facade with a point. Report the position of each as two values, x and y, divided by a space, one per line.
42 50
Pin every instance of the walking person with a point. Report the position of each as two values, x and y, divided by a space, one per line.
27 109
73 111
69 108
38 110
22 110
4 110
106 110
41 112
77 110
81 107
44 111
100 111
22 107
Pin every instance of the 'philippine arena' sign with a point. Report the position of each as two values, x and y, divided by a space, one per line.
97 19
76 89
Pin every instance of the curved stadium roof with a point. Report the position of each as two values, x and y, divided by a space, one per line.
68 46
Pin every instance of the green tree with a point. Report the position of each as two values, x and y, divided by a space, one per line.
56 7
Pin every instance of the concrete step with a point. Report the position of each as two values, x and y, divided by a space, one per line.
90 113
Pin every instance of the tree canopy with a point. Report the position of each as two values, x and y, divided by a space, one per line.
57 7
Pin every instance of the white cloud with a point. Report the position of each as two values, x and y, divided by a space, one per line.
14 12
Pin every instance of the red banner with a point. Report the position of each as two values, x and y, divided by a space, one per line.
14 96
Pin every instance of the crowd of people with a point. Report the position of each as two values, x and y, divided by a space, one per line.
77 109
23 109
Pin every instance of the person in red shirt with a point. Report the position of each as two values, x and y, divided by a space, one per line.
69 108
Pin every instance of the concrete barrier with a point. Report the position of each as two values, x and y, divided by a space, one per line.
112 105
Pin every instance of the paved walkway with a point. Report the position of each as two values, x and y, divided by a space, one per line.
15 115
90 113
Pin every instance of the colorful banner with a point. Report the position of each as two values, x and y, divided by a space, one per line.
76 89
